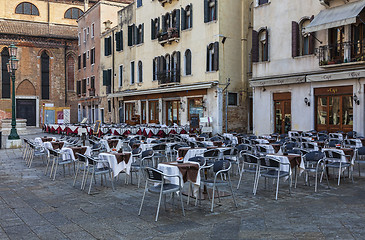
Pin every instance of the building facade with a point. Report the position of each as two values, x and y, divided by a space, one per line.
178 62
308 66
91 97
45 33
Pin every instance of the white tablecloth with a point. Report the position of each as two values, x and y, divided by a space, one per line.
116 167
67 153
230 136
193 152
174 170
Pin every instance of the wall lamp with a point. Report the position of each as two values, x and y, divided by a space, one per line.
356 100
307 102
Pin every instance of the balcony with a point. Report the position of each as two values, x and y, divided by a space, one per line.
342 54
171 35
168 77
165 1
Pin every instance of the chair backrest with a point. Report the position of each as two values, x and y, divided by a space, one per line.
52 152
147 153
351 134
290 145
198 159
313 156
270 162
159 147
153 174
295 151
250 158
221 165
136 151
332 154
211 153
361 151
215 138
81 157
334 142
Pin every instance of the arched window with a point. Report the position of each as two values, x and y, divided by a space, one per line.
175 67
304 40
210 57
73 13
5 76
27 8
45 75
188 62
263 46
70 73
140 72
155 68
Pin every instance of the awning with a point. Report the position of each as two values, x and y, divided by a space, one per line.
177 88
335 17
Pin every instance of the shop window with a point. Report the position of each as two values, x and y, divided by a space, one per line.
196 107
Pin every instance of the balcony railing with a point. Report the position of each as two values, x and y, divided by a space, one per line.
167 77
172 34
340 53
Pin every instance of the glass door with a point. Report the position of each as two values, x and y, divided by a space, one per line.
282 116
153 112
172 112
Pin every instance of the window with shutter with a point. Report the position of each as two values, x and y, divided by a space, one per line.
140 72
177 20
117 41
139 3
5 76
210 57
109 80
135 34
263 45
216 57
79 62
130 35
78 88
120 75
312 39
153 34
188 62
304 45
255 46
105 77
206 11
183 19
84 60
294 39
132 73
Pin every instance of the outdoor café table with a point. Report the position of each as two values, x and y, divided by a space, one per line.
111 144
57 145
145 146
71 151
260 141
295 160
276 147
187 153
188 171
118 162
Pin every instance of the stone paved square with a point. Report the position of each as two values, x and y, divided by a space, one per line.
32 206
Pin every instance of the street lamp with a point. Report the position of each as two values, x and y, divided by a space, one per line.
12 67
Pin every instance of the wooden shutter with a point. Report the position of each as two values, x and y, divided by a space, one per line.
105 77
164 29
177 74
109 78
207 59
294 39
206 11
153 34
142 33
215 10
267 45
130 41
255 46
117 41
105 46
183 18
135 34
177 24
158 25
191 15
216 57
121 40
312 39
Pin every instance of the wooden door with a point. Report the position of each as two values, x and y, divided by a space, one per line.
153 116
129 113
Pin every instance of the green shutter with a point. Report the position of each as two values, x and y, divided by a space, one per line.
105 77
130 34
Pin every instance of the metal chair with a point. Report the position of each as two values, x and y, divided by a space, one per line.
159 153
143 160
336 159
221 178
249 164
201 161
81 165
59 158
360 157
271 167
211 155
158 183
97 167
315 163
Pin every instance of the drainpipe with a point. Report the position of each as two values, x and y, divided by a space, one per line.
113 70
65 75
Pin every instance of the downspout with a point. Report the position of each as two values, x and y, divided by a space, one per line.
112 87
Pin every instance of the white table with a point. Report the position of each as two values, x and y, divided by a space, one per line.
116 167
66 151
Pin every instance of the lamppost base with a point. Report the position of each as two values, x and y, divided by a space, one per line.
13 143
13 135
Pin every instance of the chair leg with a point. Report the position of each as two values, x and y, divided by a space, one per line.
211 209
241 173
277 187
182 204
144 194
339 175
159 204
189 191
230 187
77 171
112 179
91 181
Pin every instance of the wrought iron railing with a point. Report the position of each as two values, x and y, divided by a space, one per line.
170 35
339 53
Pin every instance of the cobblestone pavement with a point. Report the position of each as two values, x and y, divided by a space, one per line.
34 207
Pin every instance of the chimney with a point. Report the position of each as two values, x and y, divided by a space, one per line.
86 5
